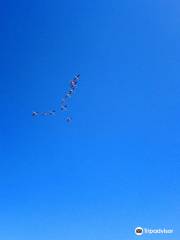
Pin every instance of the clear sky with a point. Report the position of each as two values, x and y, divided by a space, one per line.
117 165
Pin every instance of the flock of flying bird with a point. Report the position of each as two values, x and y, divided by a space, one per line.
64 102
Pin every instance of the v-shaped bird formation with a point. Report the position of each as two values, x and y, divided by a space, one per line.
64 104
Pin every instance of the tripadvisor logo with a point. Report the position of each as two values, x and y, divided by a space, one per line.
139 231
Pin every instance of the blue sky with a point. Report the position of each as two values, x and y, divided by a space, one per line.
116 166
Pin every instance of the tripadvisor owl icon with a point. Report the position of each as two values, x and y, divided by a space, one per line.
139 231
